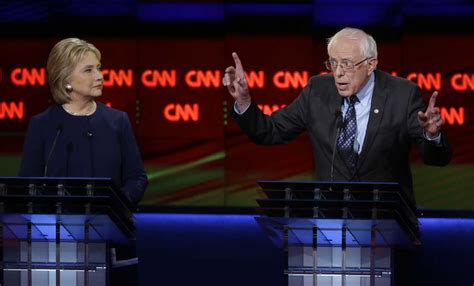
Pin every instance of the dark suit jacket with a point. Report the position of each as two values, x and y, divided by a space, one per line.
99 145
391 131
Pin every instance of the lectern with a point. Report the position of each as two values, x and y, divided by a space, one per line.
58 231
338 233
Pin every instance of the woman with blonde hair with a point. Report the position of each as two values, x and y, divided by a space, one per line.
80 137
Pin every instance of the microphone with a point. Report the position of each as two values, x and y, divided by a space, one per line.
69 150
89 136
59 129
339 125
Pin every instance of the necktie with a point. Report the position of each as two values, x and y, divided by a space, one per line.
347 135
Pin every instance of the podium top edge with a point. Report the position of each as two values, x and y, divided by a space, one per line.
56 180
304 185
68 182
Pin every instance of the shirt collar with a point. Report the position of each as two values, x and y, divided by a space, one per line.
365 94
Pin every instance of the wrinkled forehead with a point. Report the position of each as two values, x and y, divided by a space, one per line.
344 48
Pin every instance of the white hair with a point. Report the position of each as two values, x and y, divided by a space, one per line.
368 46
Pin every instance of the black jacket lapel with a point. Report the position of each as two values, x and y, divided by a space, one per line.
376 112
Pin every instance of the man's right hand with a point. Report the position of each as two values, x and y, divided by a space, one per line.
234 79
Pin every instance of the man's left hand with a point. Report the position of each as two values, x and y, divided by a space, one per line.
431 120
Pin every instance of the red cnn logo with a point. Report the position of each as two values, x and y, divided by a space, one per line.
200 78
117 78
255 79
32 77
177 112
269 109
286 79
11 110
453 116
154 78
427 81
462 82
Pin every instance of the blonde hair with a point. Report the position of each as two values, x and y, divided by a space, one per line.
62 60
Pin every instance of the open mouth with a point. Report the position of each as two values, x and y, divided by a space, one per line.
342 85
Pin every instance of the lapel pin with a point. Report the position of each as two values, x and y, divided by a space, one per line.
376 111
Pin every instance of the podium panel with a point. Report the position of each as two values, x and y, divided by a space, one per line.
337 233
58 231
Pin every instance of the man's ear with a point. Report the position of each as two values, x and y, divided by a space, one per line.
372 65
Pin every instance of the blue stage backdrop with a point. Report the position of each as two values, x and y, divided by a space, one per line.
180 249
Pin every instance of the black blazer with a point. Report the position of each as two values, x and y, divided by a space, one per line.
99 145
392 129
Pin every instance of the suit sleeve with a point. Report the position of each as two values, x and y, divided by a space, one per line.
32 161
431 153
134 179
278 128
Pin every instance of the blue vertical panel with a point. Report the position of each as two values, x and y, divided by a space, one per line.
181 12
195 249
91 8
24 11
268 9
367 13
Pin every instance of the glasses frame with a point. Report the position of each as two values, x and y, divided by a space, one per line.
329 67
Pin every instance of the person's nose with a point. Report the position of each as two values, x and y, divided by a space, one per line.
99 75
339 71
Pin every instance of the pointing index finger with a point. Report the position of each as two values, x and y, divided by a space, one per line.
432 103
238 64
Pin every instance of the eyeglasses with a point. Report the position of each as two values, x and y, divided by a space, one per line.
346 65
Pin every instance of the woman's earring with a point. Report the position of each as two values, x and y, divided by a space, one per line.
68 87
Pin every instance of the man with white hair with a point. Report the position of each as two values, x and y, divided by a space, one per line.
362 122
